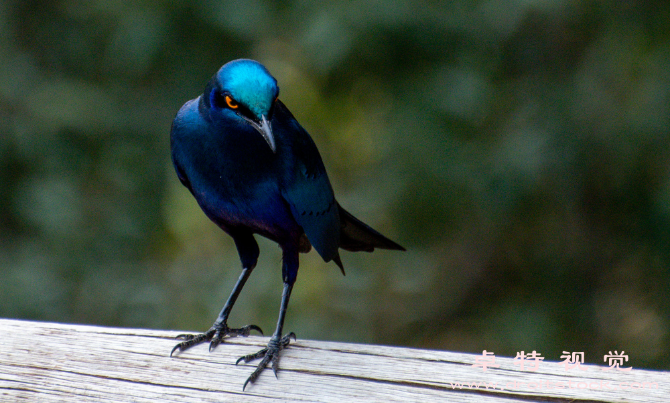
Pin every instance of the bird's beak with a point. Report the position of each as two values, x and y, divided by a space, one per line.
265 130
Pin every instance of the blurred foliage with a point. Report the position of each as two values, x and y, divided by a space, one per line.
519 149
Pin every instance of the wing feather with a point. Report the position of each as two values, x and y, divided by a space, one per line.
308 191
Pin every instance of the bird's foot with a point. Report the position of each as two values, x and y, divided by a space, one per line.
268 354
214 336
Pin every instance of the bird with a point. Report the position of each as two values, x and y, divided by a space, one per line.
254 170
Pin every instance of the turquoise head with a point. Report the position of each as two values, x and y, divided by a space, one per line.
246 90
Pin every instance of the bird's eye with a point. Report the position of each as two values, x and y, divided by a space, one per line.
232 104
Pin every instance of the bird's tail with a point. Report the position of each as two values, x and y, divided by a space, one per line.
356 236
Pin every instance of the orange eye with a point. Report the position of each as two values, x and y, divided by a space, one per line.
231 102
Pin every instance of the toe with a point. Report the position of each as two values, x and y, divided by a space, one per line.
177 347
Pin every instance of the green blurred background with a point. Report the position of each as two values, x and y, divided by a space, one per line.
518 149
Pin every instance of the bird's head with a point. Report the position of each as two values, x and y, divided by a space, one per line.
244 90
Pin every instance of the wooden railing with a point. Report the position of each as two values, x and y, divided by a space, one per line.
51 362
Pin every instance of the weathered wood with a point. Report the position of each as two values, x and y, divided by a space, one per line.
50 362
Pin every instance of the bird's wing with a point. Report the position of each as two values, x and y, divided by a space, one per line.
314 208
310 195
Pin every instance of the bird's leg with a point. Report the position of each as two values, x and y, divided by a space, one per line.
270 354
220 328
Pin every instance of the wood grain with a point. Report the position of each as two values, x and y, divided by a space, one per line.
51 362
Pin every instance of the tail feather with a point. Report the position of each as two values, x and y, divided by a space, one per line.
338 262
356 236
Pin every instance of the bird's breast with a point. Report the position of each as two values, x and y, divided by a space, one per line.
259 207
235 177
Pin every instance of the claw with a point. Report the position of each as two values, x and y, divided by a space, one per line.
191 340
251 357
269 354
175 349
252 327
246 383
275 362
287 339
212 344
215 335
